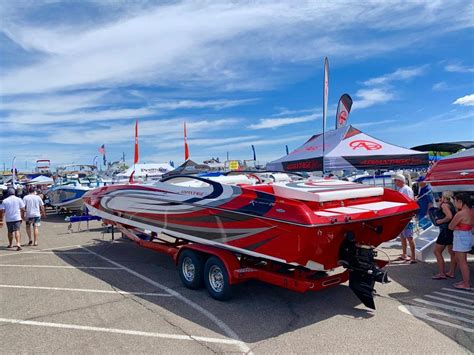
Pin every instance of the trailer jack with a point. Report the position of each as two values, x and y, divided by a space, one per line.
363 271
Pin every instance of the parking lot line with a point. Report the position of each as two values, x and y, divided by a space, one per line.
219 323
426 314
63 267
121 331
459 291
55 249
444 306
450 301
88 290
455 297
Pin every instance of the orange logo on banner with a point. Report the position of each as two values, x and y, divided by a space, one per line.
367 145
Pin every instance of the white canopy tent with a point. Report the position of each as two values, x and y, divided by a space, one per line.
144 171
348 148
41 180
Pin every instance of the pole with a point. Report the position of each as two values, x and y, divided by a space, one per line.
325 104
13 171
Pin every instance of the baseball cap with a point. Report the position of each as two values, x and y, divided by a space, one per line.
398 177
420 178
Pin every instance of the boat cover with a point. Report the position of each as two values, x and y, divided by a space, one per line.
189 167
348 148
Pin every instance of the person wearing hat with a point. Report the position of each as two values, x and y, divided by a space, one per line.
407 233
424 199
13 208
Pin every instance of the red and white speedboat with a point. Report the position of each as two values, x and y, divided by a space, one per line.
453 173
312 226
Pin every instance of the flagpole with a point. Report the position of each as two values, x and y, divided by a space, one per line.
325 104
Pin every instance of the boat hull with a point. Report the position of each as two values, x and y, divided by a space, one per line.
67 197
248 222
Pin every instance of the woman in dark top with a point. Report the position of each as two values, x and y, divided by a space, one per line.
445 238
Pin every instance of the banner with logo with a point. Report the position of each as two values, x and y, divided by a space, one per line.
343 109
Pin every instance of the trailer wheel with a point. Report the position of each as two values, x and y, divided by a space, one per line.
216 279
190 269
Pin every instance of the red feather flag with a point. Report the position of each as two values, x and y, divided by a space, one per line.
186 148
135 161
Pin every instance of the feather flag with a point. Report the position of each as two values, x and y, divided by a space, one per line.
287 151
343 109
102 151
135 160
254 154
186 148
325 91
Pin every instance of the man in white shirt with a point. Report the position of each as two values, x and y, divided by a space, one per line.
13 209
407 233
34 211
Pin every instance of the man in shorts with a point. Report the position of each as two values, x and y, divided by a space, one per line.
407 233
34 211
13 209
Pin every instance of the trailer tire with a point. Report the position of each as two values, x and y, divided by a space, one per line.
190 269
216 279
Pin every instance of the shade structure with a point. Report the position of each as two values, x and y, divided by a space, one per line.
189 167
348 148
453 173
41 180
448 147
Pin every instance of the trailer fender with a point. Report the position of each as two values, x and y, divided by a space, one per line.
228 258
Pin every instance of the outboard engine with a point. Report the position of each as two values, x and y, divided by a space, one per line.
363 272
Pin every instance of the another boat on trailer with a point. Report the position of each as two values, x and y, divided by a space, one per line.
295 235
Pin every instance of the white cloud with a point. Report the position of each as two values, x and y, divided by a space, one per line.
456 68
194 104
440 86
369 97
77 117
206 142
263 142
151 131
374 123
401 74
279 122
286 112
214 43
54 103
467 100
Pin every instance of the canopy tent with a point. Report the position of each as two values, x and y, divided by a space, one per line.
448 147
453 173
41 180
348 148
146 171
189 167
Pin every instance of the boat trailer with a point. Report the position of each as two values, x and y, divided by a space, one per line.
219 269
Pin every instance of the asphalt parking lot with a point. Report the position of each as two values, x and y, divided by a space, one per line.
81 292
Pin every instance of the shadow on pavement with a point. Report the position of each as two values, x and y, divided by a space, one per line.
256 312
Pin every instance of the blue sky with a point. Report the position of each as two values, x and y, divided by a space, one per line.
75 75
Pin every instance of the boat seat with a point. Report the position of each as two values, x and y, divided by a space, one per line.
326 195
